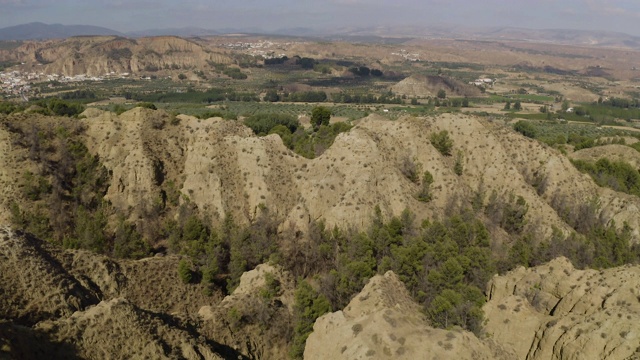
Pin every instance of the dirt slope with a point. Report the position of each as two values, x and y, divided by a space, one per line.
611 152
223 168
423 86
119 328
557 312
94 306
101 55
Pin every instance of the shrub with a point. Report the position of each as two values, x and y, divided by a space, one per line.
458 167
442 142
320 115
262 124
184 271
525 128
425 192
147 105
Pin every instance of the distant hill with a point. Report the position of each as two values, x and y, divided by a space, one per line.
182 32
552 36
41 31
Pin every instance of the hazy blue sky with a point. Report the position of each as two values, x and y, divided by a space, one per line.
128 15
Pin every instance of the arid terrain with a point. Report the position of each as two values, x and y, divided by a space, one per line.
261 197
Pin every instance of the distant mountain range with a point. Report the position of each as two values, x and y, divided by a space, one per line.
41 31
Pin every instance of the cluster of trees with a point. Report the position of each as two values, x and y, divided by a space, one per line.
442 142
234 73
443 264
617 175
79 95
525 128
454 102
65 197
365 71
305 62
262 124
7 107
59 107
193 96
308 143
517 106
366 98
305 96
620 103
276 61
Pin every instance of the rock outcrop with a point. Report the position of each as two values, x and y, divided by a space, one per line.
423 86
255 318
223 168
554 311
101 55
383 322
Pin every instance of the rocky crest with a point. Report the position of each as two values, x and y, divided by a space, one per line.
554 311
383 322
100 55
423 86
223 168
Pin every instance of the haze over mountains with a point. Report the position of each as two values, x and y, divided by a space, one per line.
41 31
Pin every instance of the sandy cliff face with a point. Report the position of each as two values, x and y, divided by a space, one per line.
557 312
383 322
223 168
100 55
423 86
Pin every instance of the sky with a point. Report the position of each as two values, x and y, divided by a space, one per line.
136 15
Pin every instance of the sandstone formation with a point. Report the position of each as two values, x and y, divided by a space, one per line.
383 322
554 311
423 86
101 55
258 331
220 166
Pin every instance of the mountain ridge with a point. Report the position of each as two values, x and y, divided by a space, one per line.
42 31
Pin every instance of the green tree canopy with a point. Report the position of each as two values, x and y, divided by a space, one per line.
442 142
320 115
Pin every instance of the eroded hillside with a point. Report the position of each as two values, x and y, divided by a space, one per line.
444 202
223 168
78 305
100 55
555 311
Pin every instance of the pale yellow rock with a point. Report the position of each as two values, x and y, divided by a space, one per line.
383 322
554 311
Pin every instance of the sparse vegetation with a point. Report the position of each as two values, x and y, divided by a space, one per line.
444 260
